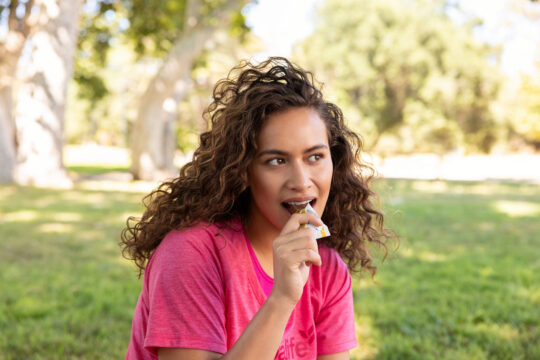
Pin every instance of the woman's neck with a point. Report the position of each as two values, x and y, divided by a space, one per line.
261 234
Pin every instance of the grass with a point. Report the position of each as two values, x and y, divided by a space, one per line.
86 169
464 283
67 293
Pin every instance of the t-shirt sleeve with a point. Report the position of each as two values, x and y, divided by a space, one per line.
335 322
185 295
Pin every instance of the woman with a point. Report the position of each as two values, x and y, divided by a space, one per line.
227 261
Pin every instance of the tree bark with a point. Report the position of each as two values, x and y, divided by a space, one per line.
10 52
41 101
154 134
7 136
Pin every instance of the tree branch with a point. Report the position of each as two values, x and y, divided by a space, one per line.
193 14
26 21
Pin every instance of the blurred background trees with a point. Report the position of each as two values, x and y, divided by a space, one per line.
408 76
527 121
18 28
171 36
33 125
410 79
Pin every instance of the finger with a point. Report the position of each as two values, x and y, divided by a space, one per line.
296 220
300 239
303 255
307 256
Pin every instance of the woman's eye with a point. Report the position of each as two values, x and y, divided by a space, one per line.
315 157
275 161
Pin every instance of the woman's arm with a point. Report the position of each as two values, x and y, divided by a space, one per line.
261 338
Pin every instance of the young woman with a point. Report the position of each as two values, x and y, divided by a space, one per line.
229 270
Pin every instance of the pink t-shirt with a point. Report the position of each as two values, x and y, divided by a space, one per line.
264 279
201 289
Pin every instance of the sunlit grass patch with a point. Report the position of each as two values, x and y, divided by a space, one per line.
430 186
517 208
107 185
56 228
96 169
20 216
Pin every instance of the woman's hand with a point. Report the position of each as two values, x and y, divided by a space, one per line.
295 249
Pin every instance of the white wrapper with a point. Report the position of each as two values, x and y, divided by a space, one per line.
320 231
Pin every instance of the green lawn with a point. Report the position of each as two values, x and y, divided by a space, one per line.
464 284
85 170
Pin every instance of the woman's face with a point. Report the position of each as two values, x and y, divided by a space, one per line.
292 164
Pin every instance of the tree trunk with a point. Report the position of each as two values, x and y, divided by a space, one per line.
153 139
10 52
7 136
42 95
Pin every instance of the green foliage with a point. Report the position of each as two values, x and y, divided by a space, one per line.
402 69
462 285
155 24
120 44
528 122
187 139
211 66
98 27
107 120
93 42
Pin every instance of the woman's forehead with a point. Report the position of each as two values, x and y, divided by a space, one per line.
297 127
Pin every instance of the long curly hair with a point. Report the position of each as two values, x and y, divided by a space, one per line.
212 186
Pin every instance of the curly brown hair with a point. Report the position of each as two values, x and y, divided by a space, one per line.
212 187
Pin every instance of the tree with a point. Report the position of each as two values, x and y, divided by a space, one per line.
95 36
526 120
176 32
42 95
208 69
153 139
19 23
402 70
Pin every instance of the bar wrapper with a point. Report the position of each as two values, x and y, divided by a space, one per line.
320 231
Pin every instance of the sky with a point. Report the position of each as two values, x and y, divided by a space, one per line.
281 23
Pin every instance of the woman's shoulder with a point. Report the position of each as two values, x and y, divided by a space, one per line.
202 238
332 276
331 259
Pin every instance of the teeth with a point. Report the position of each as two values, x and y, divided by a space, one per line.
298 202
296 206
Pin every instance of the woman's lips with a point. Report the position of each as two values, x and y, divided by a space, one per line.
294 207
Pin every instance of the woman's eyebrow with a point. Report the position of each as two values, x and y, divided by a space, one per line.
316 147
272 152
284 153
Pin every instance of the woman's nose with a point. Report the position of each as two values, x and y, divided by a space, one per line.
299 177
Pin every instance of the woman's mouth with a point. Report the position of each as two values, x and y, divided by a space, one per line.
295 206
